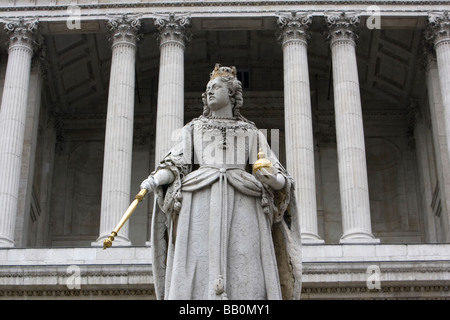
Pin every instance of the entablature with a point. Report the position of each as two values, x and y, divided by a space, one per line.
214 15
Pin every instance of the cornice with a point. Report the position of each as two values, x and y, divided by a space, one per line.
312 269
52 293
225 3
263 8
414 291
425 291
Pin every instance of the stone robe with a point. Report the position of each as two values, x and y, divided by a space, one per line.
217 231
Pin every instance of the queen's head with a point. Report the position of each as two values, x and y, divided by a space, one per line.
227 76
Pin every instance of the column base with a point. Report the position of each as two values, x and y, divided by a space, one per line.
312 241
311 238
358 237
6 243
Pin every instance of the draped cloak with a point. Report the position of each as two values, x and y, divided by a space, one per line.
217 231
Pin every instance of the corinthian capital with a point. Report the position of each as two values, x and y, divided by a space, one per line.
124 30
22 33
438 29
173 29
293 27
342 27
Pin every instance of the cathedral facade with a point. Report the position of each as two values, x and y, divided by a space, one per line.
354 96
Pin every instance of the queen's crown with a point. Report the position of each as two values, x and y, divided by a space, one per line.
220 71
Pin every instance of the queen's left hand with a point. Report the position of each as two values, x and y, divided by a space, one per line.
276 181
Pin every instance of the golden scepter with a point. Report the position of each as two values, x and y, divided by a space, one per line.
138 198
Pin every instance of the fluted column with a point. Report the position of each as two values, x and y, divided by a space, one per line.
173 34
438 132
37 75
293 37
438 33
353 182
12 121
119 128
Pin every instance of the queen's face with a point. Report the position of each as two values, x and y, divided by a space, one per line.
217 94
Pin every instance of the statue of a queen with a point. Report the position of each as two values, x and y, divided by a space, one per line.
221 230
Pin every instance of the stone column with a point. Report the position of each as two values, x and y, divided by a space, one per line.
27 173
119 129
438 33
293 37
13 115
353 183
173 34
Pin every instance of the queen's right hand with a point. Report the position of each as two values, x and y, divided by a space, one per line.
150 183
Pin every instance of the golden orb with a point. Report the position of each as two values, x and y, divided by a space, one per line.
262 162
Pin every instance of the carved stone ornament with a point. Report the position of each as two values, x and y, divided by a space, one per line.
342 27
22 33
40 59
173 29
428 53
438 29
293 27
124 30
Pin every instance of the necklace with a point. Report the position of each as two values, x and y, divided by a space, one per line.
222 118
211 124
218 127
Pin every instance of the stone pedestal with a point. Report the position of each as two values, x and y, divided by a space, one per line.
13 114
173 34
298 120
119 129
353 183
